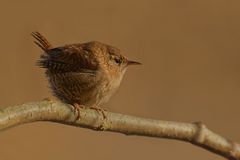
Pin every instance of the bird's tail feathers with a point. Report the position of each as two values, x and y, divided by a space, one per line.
41 41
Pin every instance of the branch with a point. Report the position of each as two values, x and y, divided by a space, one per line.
47 110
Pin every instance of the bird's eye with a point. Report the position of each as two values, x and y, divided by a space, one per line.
118 60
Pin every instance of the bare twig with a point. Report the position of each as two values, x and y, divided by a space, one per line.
195 133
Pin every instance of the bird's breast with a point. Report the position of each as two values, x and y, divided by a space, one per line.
109 87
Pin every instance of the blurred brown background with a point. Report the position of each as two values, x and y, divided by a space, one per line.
191 72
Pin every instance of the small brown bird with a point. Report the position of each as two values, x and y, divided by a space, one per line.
85 74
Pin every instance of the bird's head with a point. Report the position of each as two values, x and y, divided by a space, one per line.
111 58
118 62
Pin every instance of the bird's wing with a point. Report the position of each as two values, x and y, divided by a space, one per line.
69 58
74 81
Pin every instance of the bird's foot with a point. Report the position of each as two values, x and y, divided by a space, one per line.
76 108
100 110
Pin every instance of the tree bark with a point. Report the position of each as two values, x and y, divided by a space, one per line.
196 133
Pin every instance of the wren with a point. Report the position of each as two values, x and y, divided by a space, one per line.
84 74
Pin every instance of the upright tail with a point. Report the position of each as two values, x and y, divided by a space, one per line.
41 41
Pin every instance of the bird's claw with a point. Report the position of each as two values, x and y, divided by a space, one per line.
76 108
100 110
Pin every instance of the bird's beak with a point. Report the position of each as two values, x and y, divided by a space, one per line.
133 63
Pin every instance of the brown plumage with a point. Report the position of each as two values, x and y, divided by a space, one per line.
85 74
